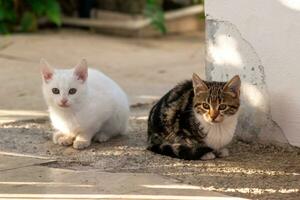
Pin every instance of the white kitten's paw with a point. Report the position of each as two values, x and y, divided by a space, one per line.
65 140
57 135
208 156
102 137
223 153
81 144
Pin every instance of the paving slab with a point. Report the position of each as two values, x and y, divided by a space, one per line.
9 161
8 116
39 182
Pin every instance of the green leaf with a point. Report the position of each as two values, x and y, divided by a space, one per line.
155 13
4 28
28 22
39 7
7 11
49 8
53 12
27 19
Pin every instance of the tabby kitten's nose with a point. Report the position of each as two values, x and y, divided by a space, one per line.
213 114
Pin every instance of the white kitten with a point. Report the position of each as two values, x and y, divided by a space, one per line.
83 104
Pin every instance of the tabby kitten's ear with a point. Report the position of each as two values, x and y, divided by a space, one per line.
232 87
198 85
46 70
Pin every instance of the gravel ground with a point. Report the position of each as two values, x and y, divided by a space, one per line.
253 170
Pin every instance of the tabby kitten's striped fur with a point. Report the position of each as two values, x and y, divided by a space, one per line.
195 120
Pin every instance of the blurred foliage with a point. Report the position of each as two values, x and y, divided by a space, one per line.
7 15
124 6
202 15
154 11
198 2
23 15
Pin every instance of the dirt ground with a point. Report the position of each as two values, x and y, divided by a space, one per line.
253 170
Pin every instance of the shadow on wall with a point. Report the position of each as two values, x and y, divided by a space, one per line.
229 54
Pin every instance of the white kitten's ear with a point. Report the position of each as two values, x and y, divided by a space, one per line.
46 70
198 85
81 71
233 86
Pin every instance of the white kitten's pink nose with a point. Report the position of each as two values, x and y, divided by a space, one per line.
64 103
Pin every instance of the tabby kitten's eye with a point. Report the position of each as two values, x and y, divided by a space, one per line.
222 107
205 106
55 90
72 91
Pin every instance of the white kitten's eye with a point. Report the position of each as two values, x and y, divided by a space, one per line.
72 91
55 90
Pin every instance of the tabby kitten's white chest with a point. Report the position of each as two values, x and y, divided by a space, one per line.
219 135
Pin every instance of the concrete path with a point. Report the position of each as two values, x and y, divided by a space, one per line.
24 177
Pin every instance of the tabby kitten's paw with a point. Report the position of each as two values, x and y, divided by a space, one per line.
208 156
81 144
65 140
223 153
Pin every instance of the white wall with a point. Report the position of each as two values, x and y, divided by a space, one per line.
260 41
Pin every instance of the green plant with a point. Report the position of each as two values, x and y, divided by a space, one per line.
23 15
156 14
7 15
198 1
154 11
202 14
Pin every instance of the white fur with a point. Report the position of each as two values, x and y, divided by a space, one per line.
99 109
208 156
219 134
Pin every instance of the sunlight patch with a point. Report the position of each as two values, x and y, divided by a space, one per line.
292 4
225 52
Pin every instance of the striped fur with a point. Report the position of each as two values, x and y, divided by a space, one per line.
180 125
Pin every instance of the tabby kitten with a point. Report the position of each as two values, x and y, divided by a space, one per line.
195 120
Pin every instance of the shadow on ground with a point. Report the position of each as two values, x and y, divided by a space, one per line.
253 170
